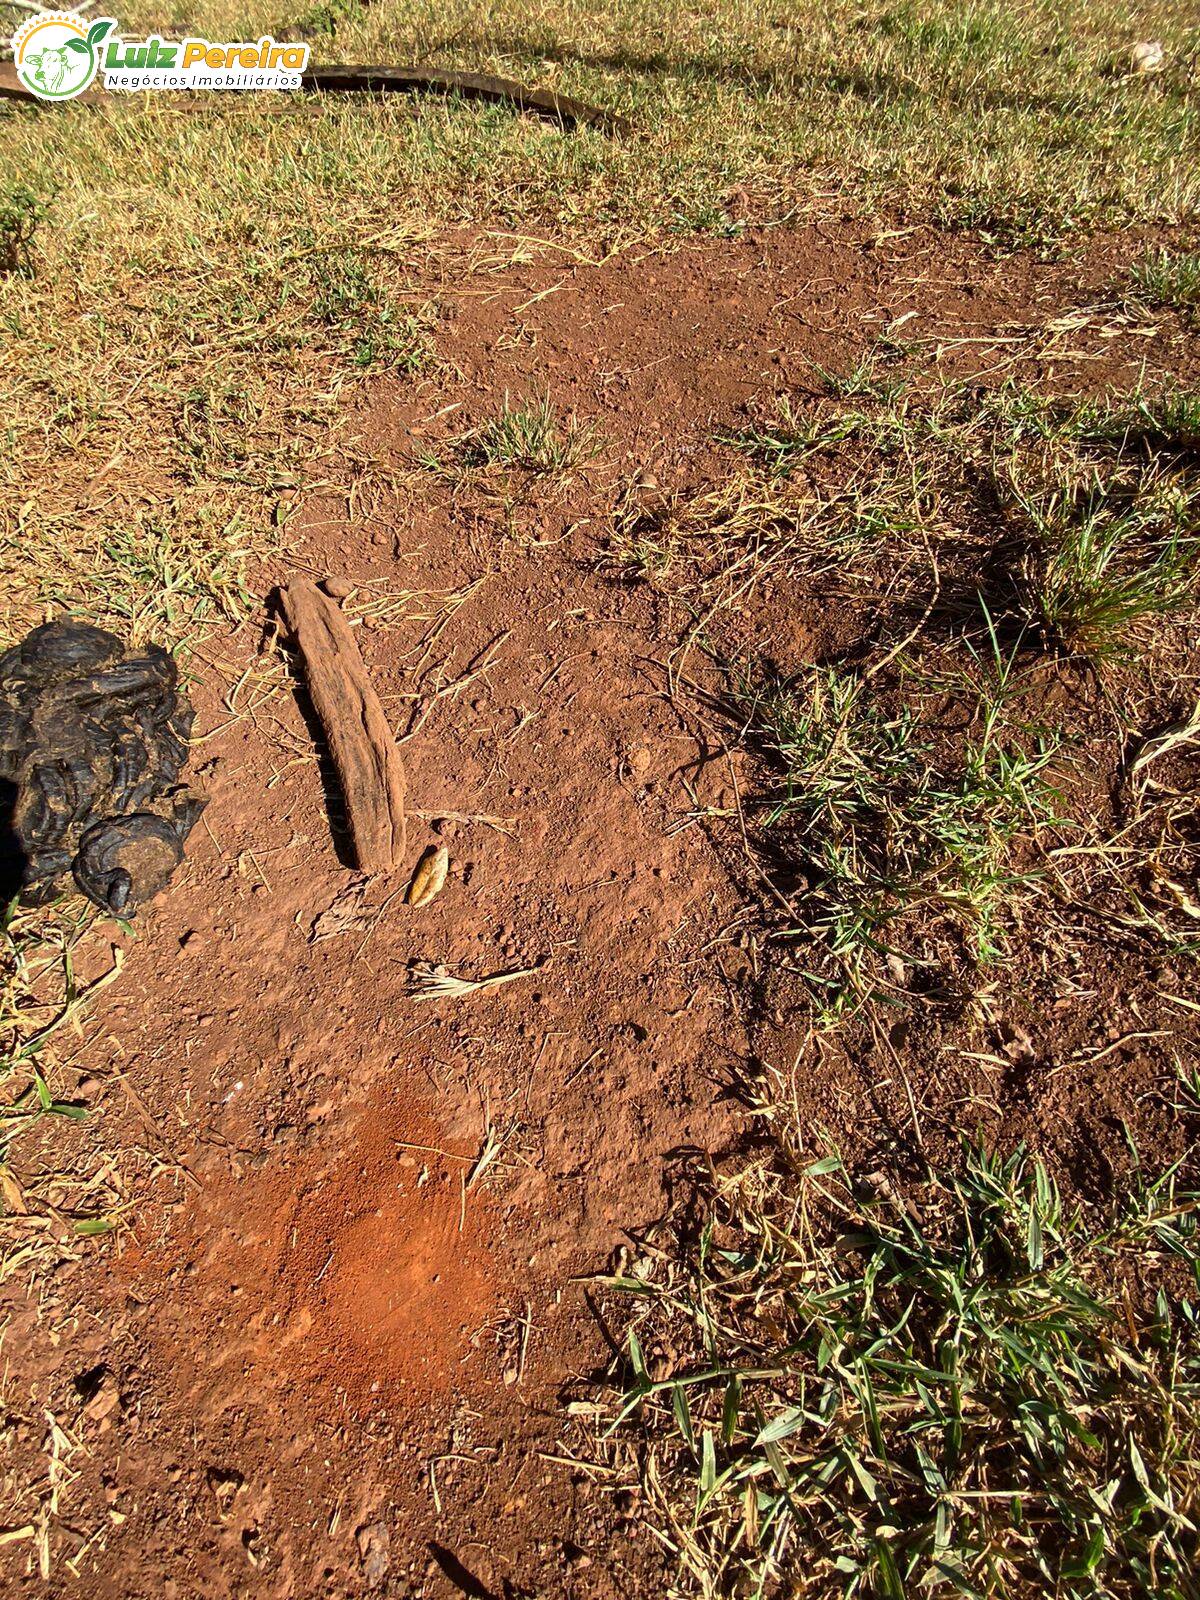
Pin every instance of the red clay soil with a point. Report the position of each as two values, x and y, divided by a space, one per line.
327 1354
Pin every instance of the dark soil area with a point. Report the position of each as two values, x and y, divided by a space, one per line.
328 1350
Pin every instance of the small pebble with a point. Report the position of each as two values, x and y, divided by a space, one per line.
338 588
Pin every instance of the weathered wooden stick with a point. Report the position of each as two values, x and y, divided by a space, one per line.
360 740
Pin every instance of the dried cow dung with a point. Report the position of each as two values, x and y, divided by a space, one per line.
93 738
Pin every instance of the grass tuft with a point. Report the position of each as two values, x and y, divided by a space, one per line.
1106 575
1164 279
532 438
891 835
1106 569
840 1391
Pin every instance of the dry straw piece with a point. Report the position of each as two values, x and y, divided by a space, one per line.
430 981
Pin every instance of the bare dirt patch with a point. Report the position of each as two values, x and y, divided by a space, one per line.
333 1339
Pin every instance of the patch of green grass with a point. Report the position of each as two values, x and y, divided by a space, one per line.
170 578
1106 570
780 441
324 19
1099 501
21 212
39 995
531 437
1167 279
894 834
868 379
1108 498
1165 422
349 300
902 818
699 544
833 1388
639 553
958 1391
1116 428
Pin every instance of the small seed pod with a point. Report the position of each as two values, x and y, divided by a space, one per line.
430 876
